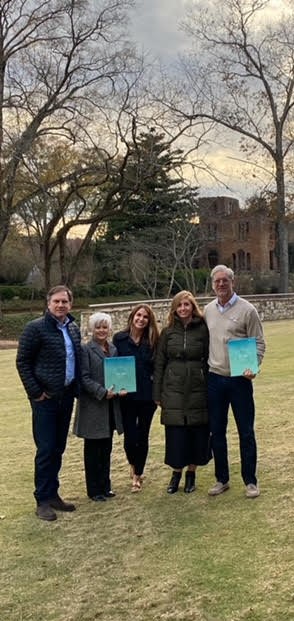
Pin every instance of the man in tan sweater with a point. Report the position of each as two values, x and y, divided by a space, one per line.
231 317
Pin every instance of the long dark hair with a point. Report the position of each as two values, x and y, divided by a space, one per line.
151 333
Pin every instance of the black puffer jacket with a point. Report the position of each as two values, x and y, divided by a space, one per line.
180 374
41 356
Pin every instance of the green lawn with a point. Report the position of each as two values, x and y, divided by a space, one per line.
150 556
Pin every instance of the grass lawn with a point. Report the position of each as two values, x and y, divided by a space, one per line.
150 556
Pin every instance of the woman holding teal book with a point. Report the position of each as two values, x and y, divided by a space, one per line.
139 339
98 411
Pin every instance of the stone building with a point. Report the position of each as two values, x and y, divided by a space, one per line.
244 239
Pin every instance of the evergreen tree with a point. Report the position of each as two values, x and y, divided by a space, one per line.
152 191
153 233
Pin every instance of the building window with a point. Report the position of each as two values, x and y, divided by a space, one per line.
213 258
243 230
248 261
228 208
234 261
211 231
241 260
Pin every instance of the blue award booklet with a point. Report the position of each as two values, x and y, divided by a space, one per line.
120 373
243 355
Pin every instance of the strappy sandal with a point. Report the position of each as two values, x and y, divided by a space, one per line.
136 484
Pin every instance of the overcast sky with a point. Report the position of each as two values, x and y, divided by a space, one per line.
156 26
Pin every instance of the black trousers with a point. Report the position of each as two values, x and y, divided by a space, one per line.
137 419
97 453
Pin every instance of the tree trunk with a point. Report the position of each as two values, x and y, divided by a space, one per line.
282 223
47 267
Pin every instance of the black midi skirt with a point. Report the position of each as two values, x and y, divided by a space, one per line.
186 445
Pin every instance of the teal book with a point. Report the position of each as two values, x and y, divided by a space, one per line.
243 355
120 373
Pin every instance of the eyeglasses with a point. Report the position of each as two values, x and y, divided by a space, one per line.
220 281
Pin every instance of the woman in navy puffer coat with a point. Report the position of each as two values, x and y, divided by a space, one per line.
138 340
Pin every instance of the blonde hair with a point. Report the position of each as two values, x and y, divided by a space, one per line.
151 333
178 298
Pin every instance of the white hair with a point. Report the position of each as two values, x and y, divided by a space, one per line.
222 268
97 318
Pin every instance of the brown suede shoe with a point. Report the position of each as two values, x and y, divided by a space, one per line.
45 512
60 505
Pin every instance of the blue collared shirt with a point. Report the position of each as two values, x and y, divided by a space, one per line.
228 305
69 352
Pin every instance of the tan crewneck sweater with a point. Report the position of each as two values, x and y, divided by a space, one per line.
240 320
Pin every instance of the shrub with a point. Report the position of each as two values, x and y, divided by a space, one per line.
200 276
24 292
113 288
11 326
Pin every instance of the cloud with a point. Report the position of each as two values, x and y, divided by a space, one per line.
155 26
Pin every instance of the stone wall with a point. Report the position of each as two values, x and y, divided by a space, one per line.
270 308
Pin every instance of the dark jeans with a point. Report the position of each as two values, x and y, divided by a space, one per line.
237 392
137 419
97 452
51 419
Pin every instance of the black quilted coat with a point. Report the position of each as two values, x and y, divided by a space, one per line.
180 374
41 356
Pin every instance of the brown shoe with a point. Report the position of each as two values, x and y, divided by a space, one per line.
45 512
60 505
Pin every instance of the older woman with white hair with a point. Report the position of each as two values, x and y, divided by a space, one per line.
98 410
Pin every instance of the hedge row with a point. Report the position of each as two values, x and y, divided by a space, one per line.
9 292
24 292
106 289
11 326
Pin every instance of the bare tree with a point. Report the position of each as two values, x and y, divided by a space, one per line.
96 187
157 257
61 62
240 75
51 206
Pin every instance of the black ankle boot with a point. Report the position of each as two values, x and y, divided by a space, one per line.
189 482
174 482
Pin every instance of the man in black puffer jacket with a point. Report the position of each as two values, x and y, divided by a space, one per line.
48 362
